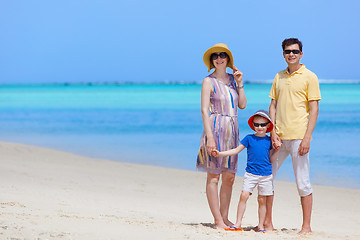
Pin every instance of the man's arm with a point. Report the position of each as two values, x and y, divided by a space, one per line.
313 114
275 139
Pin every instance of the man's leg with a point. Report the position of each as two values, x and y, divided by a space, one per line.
301 167
306 203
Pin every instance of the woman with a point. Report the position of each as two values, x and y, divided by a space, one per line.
221 95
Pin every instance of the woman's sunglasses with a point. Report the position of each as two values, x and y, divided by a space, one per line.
215 56
261 124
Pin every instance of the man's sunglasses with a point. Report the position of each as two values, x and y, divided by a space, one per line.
261 124
215 56
292 51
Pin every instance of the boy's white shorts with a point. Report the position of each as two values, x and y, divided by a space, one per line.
265 184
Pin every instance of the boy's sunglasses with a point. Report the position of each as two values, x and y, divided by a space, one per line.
292 51
215 56
261 124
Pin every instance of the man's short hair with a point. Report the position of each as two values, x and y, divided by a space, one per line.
291 41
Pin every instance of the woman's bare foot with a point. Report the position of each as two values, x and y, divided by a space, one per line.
227 222
220 224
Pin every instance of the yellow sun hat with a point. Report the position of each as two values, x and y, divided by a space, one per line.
219 47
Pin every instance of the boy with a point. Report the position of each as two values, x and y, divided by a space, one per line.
258 170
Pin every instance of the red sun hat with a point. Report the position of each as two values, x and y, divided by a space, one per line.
264 114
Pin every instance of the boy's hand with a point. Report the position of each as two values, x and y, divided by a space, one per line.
215 153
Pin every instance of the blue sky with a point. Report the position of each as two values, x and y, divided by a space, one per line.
151 41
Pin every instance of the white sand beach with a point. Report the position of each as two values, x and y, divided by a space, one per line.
48 194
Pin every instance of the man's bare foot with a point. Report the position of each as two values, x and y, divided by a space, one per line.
305 230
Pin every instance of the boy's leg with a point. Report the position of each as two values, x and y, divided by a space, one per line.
268 225
213 199
283 154
262 211
227 180
250 182
265 189
241 208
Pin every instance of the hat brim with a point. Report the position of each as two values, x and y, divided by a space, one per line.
251 122
216 49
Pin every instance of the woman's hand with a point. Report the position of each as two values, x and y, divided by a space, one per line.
240 87
238 76
210 145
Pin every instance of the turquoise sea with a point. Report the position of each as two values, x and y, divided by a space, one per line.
160 124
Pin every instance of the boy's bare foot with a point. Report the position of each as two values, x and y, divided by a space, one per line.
305 230
269 227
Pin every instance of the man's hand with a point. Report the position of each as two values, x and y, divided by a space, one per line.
275 141
304 147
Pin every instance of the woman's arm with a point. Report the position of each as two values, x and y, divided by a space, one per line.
240 88
205 108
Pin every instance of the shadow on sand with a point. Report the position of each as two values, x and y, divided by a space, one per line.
246 229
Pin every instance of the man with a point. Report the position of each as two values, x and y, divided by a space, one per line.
294 108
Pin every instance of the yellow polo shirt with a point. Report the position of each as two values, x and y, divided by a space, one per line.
292 93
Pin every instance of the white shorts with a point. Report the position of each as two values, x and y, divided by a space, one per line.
265 186
301 165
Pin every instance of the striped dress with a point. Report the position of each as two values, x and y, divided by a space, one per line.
225 128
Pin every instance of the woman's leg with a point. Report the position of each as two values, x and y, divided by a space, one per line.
225 195
213 199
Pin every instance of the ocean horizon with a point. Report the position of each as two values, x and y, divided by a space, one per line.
160 124
122 83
